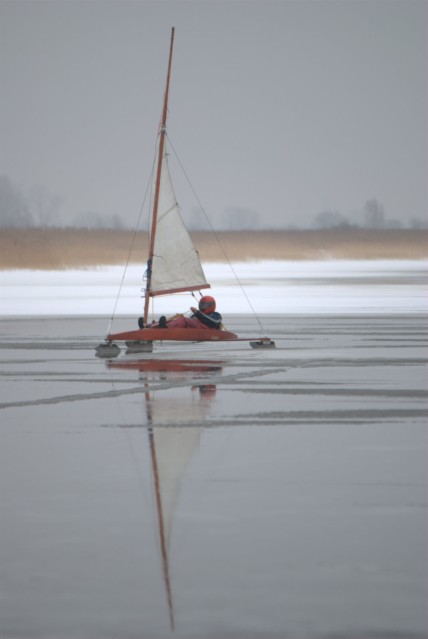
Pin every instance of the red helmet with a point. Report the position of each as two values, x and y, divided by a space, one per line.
207 304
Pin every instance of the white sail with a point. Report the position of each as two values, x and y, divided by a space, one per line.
175 265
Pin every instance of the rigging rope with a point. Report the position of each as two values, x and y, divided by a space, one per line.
217 238
133 242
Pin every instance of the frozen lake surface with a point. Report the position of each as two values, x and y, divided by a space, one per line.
215 491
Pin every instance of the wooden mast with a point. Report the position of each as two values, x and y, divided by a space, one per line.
157 186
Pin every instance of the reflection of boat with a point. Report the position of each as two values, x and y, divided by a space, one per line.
172 447
174 432
167 365
173 264
170 452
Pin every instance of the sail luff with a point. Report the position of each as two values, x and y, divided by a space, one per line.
158 180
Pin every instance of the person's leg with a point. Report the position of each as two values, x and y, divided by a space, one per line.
186 322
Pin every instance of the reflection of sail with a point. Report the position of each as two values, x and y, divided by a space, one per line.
174 448
170 451
174 421
171 446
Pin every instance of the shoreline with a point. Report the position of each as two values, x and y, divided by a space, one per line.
53 249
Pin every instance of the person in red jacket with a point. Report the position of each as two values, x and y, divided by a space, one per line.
203 317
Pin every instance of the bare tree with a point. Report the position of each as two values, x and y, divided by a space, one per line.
44 207
330 220
14 211
239 218
374 214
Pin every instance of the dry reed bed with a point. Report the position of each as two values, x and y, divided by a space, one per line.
79 248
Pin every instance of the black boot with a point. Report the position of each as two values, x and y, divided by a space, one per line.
162 322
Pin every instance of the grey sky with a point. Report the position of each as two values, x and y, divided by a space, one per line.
282 108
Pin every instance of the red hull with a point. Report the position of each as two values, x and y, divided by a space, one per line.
173 334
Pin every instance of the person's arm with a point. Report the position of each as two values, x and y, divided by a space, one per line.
210 321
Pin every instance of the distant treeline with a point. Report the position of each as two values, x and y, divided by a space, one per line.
37 208
74 248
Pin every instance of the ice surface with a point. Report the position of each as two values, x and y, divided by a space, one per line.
299 508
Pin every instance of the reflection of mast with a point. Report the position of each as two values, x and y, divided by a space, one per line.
171 446
162 537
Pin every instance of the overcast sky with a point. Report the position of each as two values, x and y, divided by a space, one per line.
284 109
